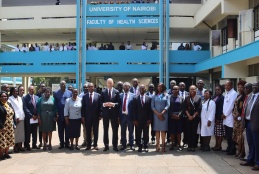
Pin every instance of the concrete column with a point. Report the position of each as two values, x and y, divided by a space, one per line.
14 81
24 82
0 32
231 44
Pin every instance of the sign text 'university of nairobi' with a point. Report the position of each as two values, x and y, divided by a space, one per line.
122 9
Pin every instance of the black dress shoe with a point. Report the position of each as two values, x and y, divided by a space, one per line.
145 149
96 148
153 142
67 146
132 148
106 148
88 148
35 147
140 149
115 149
231 153
28 148
83 144
2 158
256 168
246 164
61 147
7 156
123 148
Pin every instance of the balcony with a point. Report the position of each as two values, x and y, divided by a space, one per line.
19 63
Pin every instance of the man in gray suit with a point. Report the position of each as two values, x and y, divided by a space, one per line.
252 128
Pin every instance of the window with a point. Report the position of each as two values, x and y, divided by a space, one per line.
256 18
224 34
253 70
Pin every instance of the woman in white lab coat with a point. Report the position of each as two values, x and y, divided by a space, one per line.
207 120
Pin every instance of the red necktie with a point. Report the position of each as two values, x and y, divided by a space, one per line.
124 103
142 101
109 94
244 106
91 99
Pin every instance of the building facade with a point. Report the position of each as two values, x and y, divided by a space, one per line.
227 31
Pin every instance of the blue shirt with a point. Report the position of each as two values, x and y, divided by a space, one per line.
60 100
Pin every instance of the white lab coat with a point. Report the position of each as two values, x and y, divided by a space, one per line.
228 106
208 114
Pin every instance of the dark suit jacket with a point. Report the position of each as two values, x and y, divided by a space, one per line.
181 108
193 108
142 113
254 118
3 114
28 107
219 107
130 104
91 111
132 91
115 98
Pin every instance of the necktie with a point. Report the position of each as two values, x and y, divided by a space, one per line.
250 103
33 103
109 94
124 103
142 101
91 99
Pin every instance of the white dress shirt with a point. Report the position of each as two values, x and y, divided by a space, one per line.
61 48
24 49
17 49
182 94
143 47
92 96
142 96
127 103
45 47
228 106
128 47
17 105
197 47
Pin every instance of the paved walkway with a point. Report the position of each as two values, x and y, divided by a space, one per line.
66 161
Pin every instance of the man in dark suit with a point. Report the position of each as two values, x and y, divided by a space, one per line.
60 97
134 89
31 124
91 114
142 117
126 116
110 99
150 94
184 95
252 128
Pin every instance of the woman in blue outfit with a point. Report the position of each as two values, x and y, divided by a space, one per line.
160 105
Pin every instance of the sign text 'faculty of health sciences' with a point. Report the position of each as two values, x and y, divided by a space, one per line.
126 22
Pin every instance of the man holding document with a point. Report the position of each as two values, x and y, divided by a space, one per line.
31 118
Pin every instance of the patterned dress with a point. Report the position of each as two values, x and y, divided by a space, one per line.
7 137
238 128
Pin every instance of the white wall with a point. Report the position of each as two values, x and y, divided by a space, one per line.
236 70
37 13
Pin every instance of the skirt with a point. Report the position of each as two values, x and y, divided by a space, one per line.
219 130
19 134
238 132
74 128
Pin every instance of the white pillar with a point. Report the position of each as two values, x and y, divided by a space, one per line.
14 81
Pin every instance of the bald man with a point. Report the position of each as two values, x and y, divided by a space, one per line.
110 99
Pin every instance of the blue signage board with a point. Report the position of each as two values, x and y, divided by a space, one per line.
123 22
121 9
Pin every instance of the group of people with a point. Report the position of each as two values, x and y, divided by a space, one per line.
195 47
110 46
198 114
45 47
